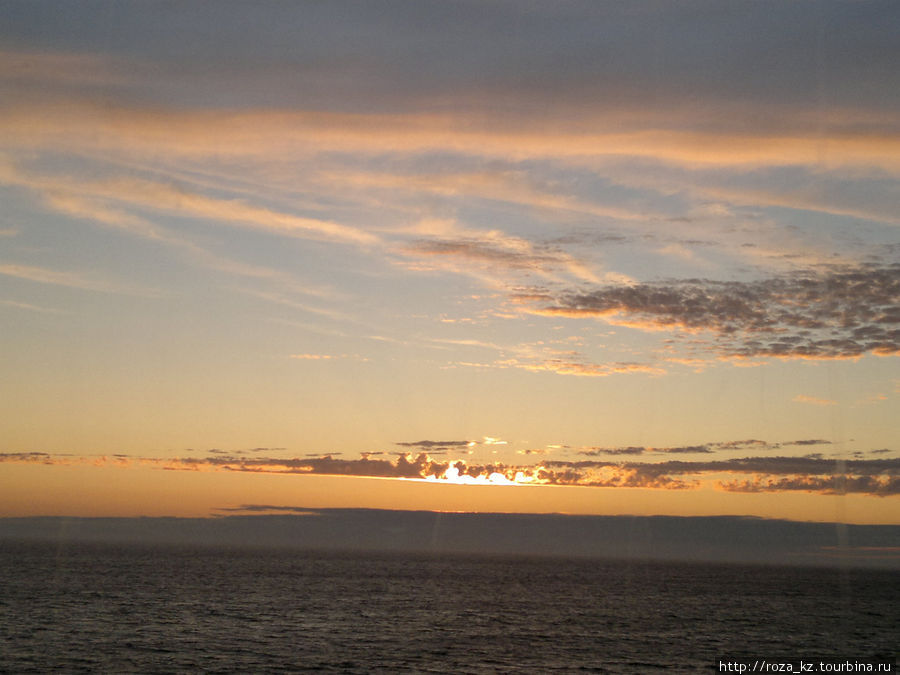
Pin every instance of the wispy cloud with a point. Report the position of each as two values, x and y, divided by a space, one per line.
436 445
513 253
72 194
31 308
580 368
541 357
510 186
703 448
43 275
812 400
102 203
196 133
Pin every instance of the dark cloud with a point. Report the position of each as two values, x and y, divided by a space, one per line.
405 466
704 448
634 450
268 508
812 473
25 457
411 54
219 451
748 444
775 465
813 441
842 312
433 444
627 478
880 451
685 450
631 450
514 254
827 484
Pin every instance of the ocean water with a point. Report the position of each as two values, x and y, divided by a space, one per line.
120 608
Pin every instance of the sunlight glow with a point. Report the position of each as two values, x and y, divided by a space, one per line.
455 476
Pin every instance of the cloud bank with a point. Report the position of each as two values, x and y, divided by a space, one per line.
812 473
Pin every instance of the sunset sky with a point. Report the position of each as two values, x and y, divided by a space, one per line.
599 257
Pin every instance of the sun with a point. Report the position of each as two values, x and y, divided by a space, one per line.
455 476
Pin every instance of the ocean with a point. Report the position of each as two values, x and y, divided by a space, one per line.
139 608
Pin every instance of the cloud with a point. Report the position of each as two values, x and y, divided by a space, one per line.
489 254
685 450
828 485
749 443
42 68
100 203
32 308
435 445
556 60
268 508
769 474
704 448
843 312
510 186
515 254
541 357
813 473
580 368
776 465
801 398
631 450
94 199
218 451
28 457
42 275
278 133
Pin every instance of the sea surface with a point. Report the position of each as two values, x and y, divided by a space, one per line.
132 608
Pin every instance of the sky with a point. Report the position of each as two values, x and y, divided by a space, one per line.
576 257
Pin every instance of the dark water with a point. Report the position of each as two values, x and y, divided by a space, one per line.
115 608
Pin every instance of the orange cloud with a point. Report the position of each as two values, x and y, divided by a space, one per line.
72 195
196 133
801 398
